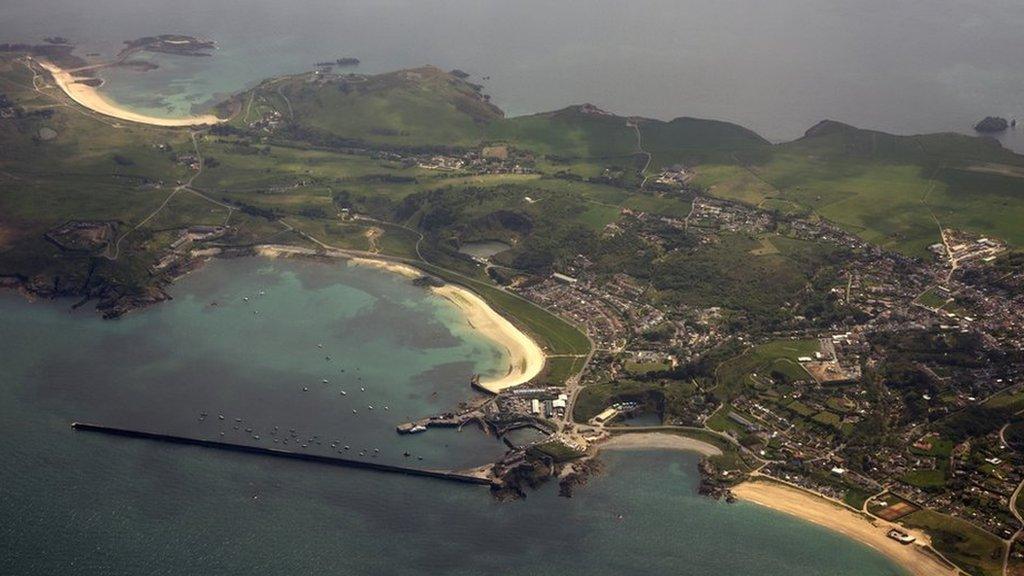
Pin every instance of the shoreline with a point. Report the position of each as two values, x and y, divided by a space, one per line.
913 558
658 441
526 359
91 98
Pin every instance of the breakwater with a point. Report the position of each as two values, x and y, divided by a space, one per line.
317 458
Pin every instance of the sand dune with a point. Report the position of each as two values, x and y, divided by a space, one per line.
91 98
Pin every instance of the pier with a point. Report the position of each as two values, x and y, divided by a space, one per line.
317 458
443 421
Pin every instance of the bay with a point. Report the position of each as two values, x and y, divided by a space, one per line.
76 503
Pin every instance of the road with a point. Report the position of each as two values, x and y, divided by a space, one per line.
185 186
640 149
1013 508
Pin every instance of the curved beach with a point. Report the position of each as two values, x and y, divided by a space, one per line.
91 98
914 558
526 359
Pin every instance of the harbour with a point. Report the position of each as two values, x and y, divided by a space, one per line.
124 506
454 476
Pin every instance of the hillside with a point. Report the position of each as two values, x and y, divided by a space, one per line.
423 107
302 147
894 191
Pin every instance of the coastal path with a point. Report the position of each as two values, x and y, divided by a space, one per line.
635 125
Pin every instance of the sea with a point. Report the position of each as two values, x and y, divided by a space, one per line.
778 67
75 503
80 503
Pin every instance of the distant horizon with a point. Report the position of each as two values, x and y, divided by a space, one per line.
801 62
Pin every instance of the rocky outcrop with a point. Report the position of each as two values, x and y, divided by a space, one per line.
578 473
992 124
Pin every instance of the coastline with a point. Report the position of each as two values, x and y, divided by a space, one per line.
658 441
91 98
782 498
526 359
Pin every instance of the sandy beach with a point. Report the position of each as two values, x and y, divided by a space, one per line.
387 266
91 98
658 441
526 359
279 251
912 557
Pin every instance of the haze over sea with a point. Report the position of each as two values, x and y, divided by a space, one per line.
776 67
75 503
82 504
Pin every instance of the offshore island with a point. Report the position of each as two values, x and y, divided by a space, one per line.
828 321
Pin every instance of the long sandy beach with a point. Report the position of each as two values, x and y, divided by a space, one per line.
912 557
90 97
526 359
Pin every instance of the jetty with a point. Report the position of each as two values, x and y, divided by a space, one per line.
448 420
479 478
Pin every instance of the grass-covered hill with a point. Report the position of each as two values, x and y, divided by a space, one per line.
892 190
300 149
424 107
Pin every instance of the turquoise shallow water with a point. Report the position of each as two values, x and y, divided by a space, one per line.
82 504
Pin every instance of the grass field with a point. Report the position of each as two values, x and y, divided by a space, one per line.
670 396
775 359
890 190
970 547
